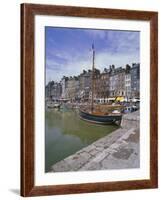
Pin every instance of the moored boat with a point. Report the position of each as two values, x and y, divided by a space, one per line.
100 116
53 105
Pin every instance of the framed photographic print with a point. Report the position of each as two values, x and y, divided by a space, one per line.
88 99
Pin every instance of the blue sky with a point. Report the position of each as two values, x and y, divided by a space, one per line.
68 50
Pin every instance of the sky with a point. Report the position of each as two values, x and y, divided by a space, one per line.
69 50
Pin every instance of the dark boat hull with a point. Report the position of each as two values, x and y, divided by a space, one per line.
107 119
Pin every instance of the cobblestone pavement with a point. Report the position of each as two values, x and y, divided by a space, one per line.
118 150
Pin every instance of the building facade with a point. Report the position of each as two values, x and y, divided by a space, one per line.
96 84
85 82
56 91
117 81
64 82
104 84
128 93
135 80
72 89
48 90
110 83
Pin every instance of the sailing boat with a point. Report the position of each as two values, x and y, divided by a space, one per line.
99 117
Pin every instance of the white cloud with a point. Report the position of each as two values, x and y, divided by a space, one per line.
119 48
119 60
96 33
102 60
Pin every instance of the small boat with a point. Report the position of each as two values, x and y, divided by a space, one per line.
53 105
129 109
98 116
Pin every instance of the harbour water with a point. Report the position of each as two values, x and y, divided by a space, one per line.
66 133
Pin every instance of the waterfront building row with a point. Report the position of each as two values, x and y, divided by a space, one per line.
110 83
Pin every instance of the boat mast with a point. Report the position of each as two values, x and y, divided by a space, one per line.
93 66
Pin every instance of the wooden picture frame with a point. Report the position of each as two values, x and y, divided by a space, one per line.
28 12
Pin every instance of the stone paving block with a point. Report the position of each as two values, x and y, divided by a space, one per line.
91 166
61 166
86 149
123 153
94 152
77 161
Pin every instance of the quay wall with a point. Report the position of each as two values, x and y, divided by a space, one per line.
131 120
